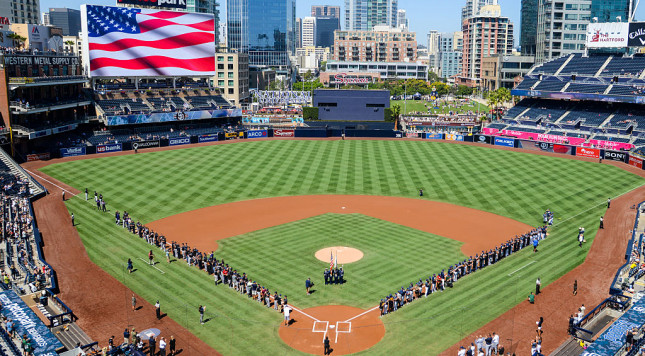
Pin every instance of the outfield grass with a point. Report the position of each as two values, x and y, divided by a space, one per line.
418 106
518 185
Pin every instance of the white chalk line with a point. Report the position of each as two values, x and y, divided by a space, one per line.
361 314
50 182
521 268
338 330
153 266
303 313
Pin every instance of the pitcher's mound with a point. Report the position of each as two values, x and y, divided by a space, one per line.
342 253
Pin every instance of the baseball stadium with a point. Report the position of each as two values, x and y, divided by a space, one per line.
151 215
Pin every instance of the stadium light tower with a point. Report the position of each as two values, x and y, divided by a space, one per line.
633 9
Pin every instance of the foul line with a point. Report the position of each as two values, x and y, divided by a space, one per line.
153 266
361 314
50 182
521 268
300 311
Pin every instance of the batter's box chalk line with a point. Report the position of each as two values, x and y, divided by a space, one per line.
314 329
342 327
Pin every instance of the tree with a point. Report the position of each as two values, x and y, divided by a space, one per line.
307 86
493 99
308 75
323 66
442 88
463 90
396 112
17 39
70 43
433 77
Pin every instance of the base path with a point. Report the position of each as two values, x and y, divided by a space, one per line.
349 329
443 219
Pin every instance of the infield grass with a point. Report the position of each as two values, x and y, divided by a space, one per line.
514 184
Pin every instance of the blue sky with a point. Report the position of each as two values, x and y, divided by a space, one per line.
423 15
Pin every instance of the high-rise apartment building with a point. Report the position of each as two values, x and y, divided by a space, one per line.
67 19
263 29
486 34
384 44
561 28
528 35
472 7
401 19
611 10
363 15
21 11
325 27
450 53
309 32
325 11
434 57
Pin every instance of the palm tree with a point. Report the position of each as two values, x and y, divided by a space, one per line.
493 100
70 43
396 112
17 39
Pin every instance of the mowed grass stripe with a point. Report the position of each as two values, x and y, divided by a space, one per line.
521 186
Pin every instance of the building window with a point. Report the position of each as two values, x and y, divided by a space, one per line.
231 83
231 75
220 83
230 58
220 74
220 58
220 66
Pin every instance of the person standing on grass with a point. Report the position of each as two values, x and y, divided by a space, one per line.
538 284
63 195
130 266
85 194
151 258
608 202
73 219
308 285
201 310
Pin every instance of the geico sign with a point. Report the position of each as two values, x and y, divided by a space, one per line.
344 79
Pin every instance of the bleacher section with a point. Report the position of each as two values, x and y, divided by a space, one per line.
547 110
527 83
552 84
135 102
587 88
550 67
624 66
151 133
583 66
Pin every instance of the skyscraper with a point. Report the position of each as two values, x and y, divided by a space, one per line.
298 39
401 19
472 7
609 10
325 11
67 19
363 15
562 29
485 34
450 52
434 56
21 11
309 32
265 29
325 27
528 35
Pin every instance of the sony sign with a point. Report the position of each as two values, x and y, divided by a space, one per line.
615 156
342 78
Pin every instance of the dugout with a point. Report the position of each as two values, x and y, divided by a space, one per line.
351 105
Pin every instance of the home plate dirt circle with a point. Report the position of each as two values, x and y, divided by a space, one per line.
342 254
349 329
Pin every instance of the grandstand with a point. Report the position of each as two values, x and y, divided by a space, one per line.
599 98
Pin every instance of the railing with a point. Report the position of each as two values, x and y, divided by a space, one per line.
29 80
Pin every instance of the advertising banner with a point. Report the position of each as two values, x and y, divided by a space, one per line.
230 135
283 133
545 146
38 157
607 35
26 322
433 136
587 152
72 151
115 147
176 141
636 36
611 145
208 138
636 162
482 139
256 133
170 116
65 128
489 131
504 141
575 141
615 156
412 134
41 133
562 149
144 144
454 137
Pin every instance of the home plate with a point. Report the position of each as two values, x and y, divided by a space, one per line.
332 326
343 207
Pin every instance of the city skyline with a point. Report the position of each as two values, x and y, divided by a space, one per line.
422 16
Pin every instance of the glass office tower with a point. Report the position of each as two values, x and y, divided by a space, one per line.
609 10
265 29
528 34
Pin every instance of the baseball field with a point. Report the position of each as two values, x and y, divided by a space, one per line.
157 185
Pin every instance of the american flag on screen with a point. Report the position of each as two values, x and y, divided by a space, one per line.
126 41
331 264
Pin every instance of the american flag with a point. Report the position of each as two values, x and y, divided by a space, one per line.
331 264
126 41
